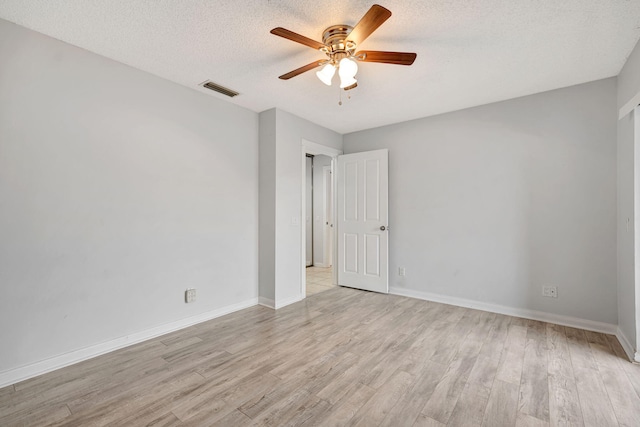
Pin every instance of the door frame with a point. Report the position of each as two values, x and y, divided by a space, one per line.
309 147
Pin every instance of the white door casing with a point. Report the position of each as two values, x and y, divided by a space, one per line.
363 236
309 147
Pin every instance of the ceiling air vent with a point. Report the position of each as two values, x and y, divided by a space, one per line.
220 89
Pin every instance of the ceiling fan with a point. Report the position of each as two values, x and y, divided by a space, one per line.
339 43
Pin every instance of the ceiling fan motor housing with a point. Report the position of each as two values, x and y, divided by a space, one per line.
337 45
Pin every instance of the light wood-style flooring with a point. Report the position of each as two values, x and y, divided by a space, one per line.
318 280
345 357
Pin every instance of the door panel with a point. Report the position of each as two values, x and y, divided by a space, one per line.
351 253
372 255
351 191
362 211
372 188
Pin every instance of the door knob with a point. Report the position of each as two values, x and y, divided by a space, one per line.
382 227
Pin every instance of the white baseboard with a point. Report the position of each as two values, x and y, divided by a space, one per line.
267 302
542 316
22 373
287 301
632 354
320 265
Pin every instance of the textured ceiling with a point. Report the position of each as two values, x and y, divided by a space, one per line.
470 52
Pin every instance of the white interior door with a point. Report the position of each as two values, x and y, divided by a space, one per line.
363 239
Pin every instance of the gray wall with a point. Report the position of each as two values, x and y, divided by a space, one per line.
281 151
290 131
267 205
118 190
491 203
628 87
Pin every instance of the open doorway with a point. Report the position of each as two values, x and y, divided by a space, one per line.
318 224
329 245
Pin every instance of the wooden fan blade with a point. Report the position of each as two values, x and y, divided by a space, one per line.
399 58
369 23
301 70
283 32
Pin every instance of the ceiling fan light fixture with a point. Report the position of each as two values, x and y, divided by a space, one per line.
348 67
339 44
347 82
326 74
347 71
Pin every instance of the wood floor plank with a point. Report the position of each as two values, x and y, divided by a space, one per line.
579 349
408 409
249 387
625 402
494 345
559 355
444 398
419 352
534 387
564 402
502 406
623 397
596 338
594 399
424 421
524 420
336 390
382 402
343 411
280 411
631 369
6 391
235 418
166 420
144 409
38 416
471 406
512 357
268 406
309 412
202 405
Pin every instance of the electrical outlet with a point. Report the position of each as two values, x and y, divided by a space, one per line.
550 291
401 271
189 295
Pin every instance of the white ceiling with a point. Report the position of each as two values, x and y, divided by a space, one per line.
470 52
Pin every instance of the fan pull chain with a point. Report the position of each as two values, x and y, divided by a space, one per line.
339 96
